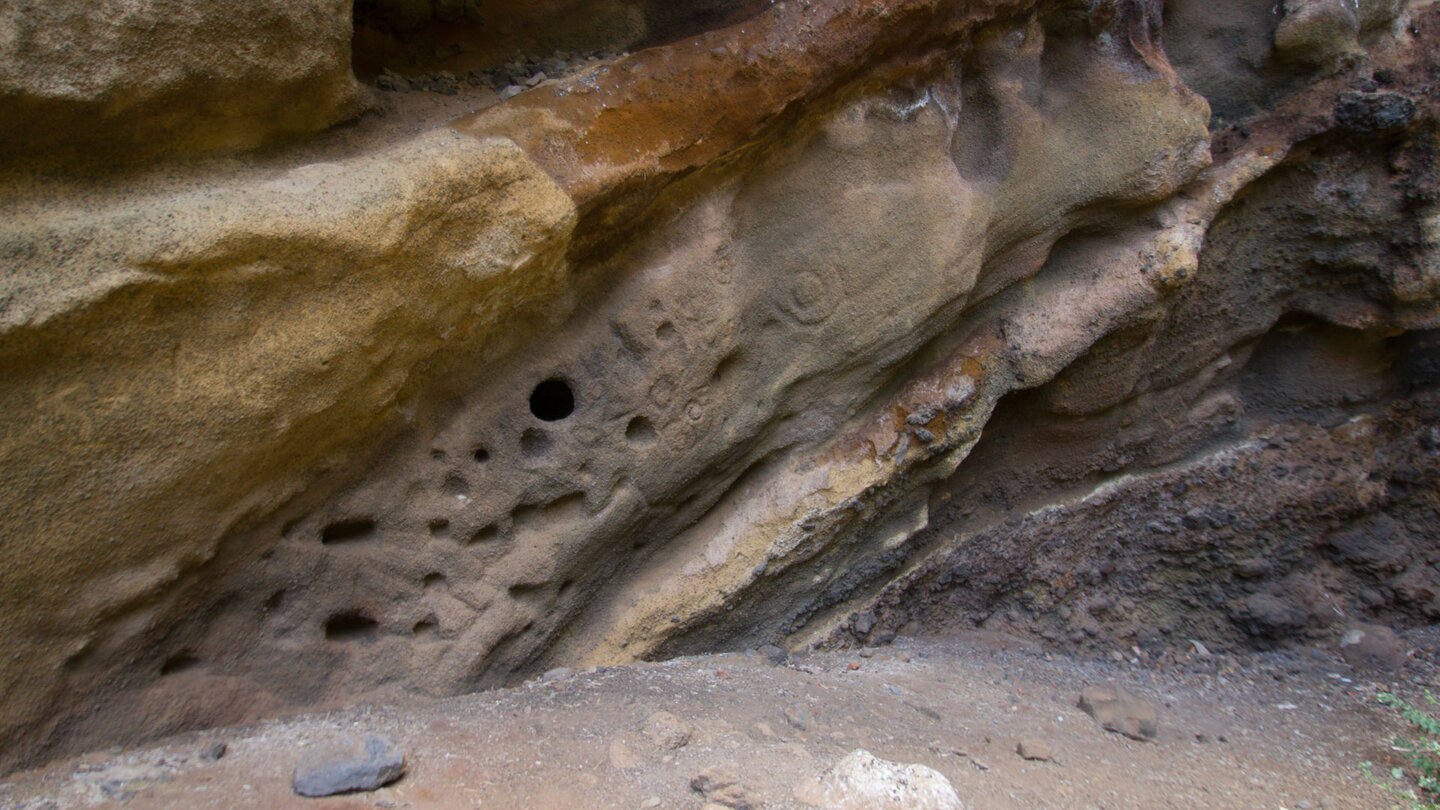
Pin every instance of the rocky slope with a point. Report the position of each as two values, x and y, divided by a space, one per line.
805 324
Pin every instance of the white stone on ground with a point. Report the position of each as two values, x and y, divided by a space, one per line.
860 781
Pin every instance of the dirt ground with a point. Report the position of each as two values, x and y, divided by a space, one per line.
1270 730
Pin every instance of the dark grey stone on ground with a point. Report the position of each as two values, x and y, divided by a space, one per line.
774 654
359 763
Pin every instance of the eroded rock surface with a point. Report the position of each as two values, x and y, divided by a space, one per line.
839 321
105 82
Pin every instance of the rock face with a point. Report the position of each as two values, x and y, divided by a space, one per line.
99 82
842 320
286 320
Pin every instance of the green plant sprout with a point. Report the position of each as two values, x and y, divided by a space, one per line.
1424 754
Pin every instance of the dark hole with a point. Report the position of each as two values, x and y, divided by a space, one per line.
486 533
456 485
434 579
481 455
274 600
521 590
439 526
552 401
348 531
425 627
179 663
640 431
352 626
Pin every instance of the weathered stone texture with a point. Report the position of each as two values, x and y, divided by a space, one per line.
101 82
177 363
845 320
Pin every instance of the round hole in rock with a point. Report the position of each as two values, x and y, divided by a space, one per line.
552 400
482 455
434 579
439 527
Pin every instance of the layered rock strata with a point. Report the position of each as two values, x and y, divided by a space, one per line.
844 320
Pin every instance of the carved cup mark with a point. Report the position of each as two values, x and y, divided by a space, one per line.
813 295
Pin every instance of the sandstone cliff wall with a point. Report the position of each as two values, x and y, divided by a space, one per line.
1110 323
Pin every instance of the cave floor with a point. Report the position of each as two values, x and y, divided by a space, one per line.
1269 730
